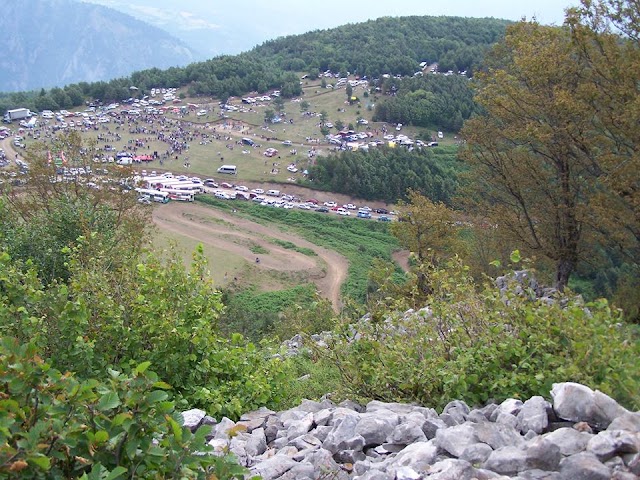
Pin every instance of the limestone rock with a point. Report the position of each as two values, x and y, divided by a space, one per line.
584 466
568 440
610 443
578 403
454 440
192 418
533 415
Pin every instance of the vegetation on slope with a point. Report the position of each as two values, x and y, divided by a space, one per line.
471 341
425 101
369 48
387 173
387 45
554 158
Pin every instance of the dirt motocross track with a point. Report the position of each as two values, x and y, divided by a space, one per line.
238 236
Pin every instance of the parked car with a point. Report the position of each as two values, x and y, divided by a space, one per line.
383 211
322 210
364 215
383 218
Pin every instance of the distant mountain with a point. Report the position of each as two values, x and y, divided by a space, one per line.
47 43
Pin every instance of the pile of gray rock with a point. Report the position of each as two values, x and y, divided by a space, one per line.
583 435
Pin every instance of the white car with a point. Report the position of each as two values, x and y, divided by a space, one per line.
330 204
343 212
242 188
257 191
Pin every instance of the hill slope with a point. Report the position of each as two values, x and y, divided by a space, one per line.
387 45
48 43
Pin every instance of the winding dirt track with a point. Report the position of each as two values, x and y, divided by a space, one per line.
238 235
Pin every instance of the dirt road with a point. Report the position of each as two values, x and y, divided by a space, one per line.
238 236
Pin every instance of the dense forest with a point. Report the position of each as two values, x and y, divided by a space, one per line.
388 45
387 173
425 101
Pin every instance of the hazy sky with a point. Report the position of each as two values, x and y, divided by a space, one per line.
245 23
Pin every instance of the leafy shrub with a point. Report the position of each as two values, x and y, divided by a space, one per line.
148 311
255 314
475 345
54 425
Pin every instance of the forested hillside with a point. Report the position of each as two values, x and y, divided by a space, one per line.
387 173
395 46
424 101
387 45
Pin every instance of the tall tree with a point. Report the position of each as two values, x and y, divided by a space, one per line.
537 167
428 230
606 34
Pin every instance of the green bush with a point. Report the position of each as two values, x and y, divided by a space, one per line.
475 345
56 426
146 312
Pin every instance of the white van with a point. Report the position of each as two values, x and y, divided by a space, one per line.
273 193
228 169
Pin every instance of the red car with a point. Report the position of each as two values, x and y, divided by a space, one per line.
313 200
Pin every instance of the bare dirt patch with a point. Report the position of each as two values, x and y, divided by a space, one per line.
240 236
401 257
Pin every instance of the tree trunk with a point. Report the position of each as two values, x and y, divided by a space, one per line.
564 269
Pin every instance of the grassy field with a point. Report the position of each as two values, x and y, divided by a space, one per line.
206 155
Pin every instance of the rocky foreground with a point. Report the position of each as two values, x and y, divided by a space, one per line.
581 435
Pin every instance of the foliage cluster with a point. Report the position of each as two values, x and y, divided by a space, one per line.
387 173
55 425
387 45
146 312
42 223
554 157
426 101
256 314
480 344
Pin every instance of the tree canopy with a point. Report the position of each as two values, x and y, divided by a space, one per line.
386 173
426 101
548 159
